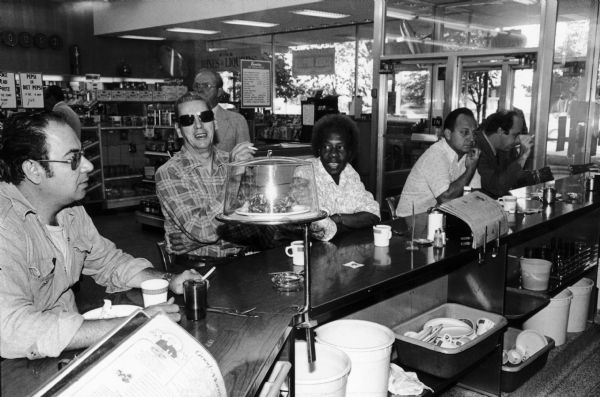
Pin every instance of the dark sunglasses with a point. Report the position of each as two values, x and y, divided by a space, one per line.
185 120
75 160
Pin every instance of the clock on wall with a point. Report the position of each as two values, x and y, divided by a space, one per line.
25 39
9 38
40 40
55 42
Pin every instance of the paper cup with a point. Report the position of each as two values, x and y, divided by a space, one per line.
382 235
154 291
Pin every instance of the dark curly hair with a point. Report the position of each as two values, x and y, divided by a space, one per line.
339 123
502 119
24 138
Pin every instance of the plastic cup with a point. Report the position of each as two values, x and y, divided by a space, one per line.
195 296
382 235
154 291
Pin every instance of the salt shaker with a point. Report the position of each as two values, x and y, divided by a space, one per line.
438 239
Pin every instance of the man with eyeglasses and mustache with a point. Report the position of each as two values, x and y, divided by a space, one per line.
191 188
47 241
231 128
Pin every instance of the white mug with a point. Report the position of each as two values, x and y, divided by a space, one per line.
382 235
509 203
296 251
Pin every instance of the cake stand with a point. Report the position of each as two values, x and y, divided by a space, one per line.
303 321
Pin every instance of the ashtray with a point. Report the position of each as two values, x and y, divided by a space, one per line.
287 281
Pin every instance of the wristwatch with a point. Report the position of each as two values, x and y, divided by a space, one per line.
167 276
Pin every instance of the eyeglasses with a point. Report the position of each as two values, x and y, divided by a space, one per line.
75 160
185 120
203 86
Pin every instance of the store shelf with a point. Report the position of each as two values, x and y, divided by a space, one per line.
90 145
96 186
126 201
94 173
149 219
160 154
148 180
93 158
121 128
122 177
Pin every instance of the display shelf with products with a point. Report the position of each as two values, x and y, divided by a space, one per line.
123 172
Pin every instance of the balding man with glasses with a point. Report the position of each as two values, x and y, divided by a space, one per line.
47 241
231 128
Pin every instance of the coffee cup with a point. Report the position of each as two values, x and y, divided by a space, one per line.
154 291
382 235
296 251
509 203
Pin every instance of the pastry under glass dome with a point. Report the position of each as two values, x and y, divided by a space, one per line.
277 189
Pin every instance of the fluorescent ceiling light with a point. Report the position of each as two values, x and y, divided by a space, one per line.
215 49
526 2
320 14
196 31
251 23
130 36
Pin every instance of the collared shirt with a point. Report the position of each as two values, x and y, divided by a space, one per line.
431 176
231 128
38 315
349 197
191 197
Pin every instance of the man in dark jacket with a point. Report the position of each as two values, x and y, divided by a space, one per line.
504 151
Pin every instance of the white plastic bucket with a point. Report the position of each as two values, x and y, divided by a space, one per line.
552 320
369 346
327 376
535 273
580 304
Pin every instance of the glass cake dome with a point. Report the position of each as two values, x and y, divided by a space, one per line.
276 189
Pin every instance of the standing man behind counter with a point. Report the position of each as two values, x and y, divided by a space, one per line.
231 128
500 165
54 100
443 171
47 242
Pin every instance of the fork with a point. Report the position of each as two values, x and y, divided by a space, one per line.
233 312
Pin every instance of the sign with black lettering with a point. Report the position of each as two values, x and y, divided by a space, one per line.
32 90
8 93
314 62
256 83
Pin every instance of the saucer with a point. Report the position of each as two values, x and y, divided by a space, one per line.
530 341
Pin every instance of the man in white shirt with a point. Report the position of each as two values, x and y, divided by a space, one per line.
443 171
231 128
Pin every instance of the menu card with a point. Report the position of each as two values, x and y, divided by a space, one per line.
143 357
483 215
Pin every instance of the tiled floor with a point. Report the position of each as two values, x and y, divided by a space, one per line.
572 369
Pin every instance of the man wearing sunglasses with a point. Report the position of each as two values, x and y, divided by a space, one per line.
191 188
47 241
231 128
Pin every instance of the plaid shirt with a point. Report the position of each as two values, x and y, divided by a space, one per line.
191 197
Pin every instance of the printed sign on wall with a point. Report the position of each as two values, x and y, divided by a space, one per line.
8 93
32 90
314 62
256 83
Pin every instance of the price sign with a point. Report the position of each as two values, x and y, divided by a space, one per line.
256 83
32 90
8 93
